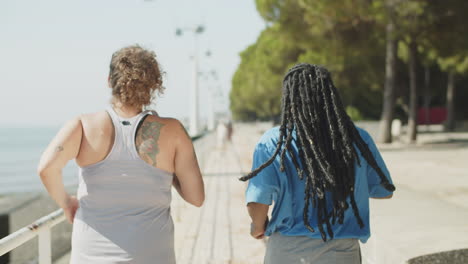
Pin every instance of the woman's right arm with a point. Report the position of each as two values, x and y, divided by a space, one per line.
63 148
188 179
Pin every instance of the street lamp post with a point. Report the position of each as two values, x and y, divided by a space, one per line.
211 103
194 113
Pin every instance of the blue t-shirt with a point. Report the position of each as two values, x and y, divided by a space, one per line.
287 191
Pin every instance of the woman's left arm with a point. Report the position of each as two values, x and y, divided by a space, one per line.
63 148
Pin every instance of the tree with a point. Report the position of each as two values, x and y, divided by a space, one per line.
336 35
416 22
365 44
448 46
413 104
388 106
256 85
457 64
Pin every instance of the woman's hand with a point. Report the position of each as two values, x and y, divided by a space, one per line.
259 214
70 208
258 232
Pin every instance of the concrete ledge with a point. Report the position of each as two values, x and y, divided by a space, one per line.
412 227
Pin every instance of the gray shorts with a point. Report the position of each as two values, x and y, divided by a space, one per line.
305 250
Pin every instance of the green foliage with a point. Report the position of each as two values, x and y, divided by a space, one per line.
348 37
257 83
354 113
335 35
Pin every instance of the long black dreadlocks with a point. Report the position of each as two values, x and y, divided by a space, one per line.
327 142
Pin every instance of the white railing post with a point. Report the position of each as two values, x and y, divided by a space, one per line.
45 249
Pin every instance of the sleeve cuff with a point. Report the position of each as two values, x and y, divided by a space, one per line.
256 195
377 191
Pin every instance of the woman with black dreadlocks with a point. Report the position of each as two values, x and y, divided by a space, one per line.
320 170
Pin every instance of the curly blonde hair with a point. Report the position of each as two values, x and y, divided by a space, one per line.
134 76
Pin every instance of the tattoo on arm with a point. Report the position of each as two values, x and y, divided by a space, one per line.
59 149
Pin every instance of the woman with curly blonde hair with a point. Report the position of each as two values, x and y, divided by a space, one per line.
129 158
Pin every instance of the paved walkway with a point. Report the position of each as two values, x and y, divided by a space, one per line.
219 231
429 210
437 168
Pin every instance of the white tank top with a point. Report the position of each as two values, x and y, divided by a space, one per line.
124 214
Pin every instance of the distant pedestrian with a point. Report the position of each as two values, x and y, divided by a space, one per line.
230 130
320 170
128 159
221 134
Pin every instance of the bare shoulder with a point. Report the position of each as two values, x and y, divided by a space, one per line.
74 122
169 124
94 118
72 126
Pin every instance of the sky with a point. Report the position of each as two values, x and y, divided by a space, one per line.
55 54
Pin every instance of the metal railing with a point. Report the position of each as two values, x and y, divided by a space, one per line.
39 228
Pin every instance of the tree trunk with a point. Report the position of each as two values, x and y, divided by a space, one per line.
388 107
450 122
413 107
427 96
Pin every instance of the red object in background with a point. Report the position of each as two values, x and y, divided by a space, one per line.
437 115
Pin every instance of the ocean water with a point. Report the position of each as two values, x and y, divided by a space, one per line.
20 150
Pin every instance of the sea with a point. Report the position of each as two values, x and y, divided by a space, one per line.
20 151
